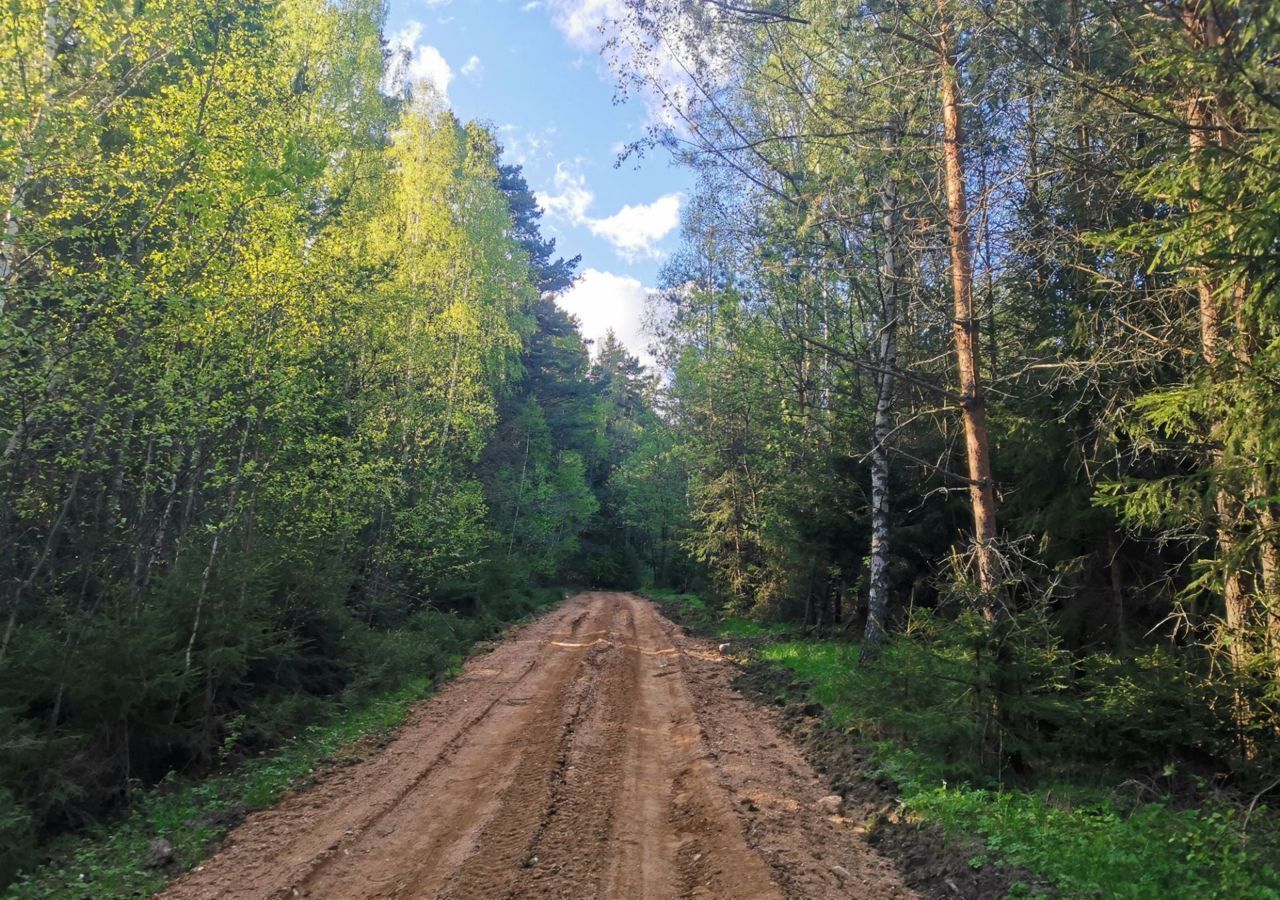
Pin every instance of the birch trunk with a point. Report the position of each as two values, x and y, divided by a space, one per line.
878 593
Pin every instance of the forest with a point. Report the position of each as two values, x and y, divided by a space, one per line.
973 337
968 373
288 408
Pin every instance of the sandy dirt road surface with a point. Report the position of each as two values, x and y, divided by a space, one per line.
598 752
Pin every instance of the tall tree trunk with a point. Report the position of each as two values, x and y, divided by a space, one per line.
227 517
1203 32
1205 124
1117 587
515 518
882 427
972 401
55 528
452 388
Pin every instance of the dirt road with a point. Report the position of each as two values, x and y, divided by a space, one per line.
598 752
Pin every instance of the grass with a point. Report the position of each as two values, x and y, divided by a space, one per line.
695 614
108 860
819 663
1074 835
1092 848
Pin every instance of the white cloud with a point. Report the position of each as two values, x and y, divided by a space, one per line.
633 231
604 301
473 70
582 21
413 63
428 65
572 197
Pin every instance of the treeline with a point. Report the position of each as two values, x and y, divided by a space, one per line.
974 340
287 411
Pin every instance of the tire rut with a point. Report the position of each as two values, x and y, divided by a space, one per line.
571 843
505 846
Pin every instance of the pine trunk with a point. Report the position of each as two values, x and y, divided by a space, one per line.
972 400
1205 132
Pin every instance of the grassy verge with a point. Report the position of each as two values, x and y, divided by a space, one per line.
692 612
1081 837
110 859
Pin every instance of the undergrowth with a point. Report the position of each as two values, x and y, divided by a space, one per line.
1084 837
109 860
695 615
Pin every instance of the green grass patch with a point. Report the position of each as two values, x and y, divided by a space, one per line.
696 614
1078 836
824 665
688 602
689 610
734 627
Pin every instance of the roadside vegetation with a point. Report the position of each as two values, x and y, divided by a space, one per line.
1077 819
973 343
172 825
288 412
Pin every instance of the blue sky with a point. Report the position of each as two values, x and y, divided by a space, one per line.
533 70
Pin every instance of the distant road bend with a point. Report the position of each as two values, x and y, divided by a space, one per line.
598 752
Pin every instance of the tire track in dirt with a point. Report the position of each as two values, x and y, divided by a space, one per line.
493 771
775 791
596 753
506 848
571 845
277 852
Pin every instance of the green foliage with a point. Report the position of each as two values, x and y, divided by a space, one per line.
259 327
109 859
1118 167
17 835
1086 845
695 614
1083 839
287 408
982 705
